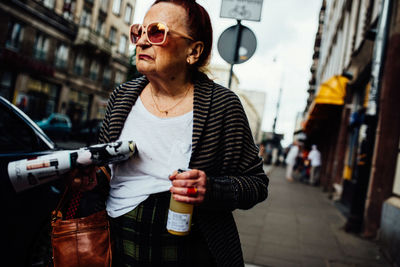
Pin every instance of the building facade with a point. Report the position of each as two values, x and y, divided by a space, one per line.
253 101
352 113
63 56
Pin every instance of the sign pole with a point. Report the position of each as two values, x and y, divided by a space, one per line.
236 52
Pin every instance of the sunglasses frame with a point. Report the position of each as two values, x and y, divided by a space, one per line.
167 29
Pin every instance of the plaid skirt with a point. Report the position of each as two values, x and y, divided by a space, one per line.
141 238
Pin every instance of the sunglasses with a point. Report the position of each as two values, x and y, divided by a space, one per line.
156 33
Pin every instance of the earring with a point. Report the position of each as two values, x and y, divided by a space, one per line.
189 61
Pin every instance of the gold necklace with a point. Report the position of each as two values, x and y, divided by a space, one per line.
168 109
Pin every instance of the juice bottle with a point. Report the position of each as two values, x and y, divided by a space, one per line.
179 216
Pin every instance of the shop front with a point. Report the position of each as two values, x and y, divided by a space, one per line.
78 107
38 99
322 124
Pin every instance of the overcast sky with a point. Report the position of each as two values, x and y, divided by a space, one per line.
286 32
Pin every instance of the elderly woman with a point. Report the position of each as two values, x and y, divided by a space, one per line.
179 118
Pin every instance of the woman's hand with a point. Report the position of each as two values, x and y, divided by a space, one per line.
189 186
83 179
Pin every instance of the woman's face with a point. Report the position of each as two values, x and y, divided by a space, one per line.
170 58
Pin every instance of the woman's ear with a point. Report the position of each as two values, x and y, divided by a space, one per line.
195 51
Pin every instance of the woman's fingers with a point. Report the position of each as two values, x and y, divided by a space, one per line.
189 186
83 179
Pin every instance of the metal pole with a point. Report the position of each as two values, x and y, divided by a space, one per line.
277 110
278 103
237 45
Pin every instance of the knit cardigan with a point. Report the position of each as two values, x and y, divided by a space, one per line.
222 147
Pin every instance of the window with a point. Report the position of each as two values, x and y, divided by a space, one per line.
85 18
119 78
41 46
116 8
100 27
112 35
128 14
94 70
61 56
49 3
79 63
69 9
107 76
14 35
122 44
104 5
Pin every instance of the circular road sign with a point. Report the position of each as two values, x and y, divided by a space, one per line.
227 44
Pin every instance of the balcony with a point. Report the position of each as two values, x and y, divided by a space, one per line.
88 37
39 12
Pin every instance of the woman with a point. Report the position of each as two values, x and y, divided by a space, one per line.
179 119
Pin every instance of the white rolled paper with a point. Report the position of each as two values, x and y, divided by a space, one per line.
28 173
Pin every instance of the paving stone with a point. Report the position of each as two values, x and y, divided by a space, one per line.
299 226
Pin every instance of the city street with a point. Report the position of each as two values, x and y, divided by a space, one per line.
296 226
299 226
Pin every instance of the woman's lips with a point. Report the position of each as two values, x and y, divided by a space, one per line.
145 57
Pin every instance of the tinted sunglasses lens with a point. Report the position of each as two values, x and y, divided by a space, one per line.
156 33
136 33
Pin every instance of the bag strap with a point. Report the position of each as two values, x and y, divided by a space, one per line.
106 172
56 214
75 199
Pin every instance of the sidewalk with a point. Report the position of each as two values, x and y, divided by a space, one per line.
299 226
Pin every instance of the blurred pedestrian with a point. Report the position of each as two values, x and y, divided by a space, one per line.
305 167
315 160
261 152
179 118
291 159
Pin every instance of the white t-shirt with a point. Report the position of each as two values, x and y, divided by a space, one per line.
163 144
315 157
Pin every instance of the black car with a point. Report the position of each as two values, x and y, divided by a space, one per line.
26 214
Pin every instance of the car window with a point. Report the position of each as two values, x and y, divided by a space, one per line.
15 134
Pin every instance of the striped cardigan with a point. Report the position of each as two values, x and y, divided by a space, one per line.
222 146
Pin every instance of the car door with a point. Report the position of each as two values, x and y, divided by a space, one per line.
26 214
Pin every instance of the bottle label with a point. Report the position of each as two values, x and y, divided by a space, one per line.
178 222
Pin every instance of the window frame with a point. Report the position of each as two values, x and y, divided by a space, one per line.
64 56
112 35
126 19
13 39
78 59
86 17
116 5
49 4
94 70
123 40
41 46
107 78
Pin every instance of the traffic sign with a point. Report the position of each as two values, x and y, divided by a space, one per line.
241 9
228 44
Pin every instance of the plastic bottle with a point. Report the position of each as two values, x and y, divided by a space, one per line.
179 216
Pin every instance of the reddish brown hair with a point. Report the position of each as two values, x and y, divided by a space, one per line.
199 26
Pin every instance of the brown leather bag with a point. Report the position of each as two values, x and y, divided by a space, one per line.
81 241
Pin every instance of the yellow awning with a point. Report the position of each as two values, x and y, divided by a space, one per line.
332 91
328 100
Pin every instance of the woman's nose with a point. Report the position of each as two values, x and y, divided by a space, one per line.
143 39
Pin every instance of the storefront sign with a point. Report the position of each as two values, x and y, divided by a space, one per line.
241 9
